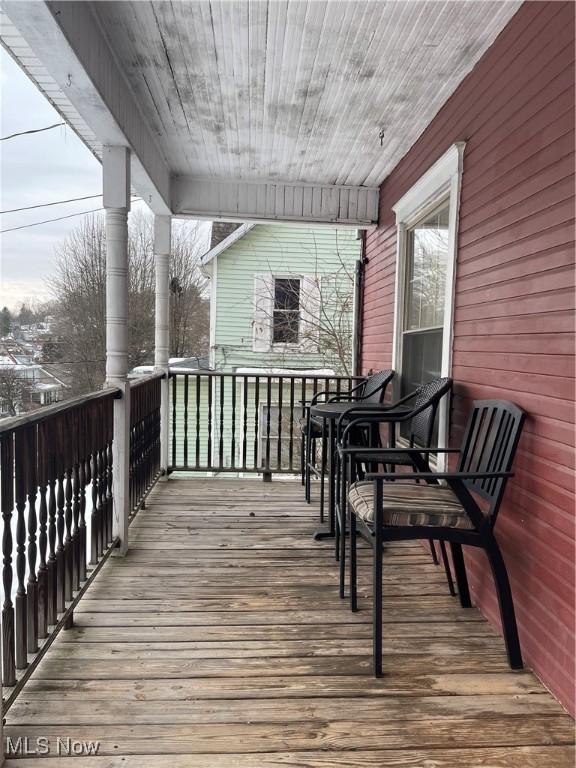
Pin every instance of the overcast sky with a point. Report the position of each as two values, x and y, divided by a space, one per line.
40 168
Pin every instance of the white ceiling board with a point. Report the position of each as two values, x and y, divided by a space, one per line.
60 42
296 90
17 47
275 201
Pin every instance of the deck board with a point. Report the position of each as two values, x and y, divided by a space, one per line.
220 642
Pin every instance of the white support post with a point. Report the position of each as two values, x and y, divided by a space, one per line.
162 234
116 188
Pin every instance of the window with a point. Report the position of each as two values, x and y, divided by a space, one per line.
286 317
286 312
427 218
424 299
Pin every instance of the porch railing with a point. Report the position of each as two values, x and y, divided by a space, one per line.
56 500
144 437
232 422
56 481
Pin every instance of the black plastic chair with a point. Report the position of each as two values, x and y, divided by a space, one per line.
371 389
462 512
421 419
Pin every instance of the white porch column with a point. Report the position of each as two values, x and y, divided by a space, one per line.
116 188
162 233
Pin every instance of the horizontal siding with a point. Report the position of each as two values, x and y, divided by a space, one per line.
273 248
279 249
514 305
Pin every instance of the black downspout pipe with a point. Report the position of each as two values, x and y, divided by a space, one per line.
358 303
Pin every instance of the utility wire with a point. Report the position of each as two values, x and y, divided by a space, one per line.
60 362
56 202
47 221
34 130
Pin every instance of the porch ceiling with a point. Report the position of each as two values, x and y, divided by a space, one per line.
287 93
296 91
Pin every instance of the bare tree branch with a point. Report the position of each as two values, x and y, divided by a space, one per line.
79 290
329 330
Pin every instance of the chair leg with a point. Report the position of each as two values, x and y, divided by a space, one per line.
336 535
343 474
377 611
323 467
302 458
353 565
309 449
447 571
340 504
460 572
433 551
342 519
506 604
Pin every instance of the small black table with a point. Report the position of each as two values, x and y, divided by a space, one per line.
331 413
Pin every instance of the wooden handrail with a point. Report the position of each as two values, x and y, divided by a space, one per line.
136 381
297 376
37 417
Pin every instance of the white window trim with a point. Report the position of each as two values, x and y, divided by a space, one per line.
303 345
443 180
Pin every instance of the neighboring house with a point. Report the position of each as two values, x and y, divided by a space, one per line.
25 385
265 312
267 316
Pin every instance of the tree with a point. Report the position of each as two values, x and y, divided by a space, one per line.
14 391
79 289
189 307
5 321
52 351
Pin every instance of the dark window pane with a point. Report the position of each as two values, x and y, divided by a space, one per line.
421 361
287 294
285 327
286 318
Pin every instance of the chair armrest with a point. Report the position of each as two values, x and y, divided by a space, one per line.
357 450
335 396
326 392
437 475
308 403
358 385
365 416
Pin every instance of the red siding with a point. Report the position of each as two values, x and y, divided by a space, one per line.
514 305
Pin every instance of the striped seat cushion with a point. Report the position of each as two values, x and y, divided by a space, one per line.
410 504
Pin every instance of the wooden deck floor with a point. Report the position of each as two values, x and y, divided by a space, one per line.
220 642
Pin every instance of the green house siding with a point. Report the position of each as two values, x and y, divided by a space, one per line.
232 417
328 253
233 421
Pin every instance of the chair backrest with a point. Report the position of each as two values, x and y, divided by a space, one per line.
426 403
489 445
375 385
